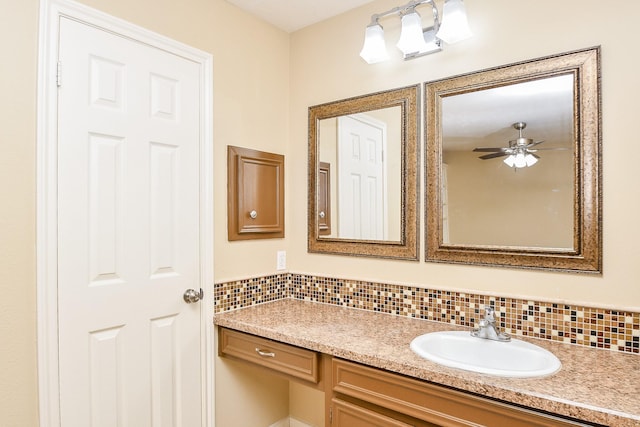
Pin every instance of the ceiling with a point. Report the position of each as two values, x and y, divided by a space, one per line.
485 117
292 15
475 125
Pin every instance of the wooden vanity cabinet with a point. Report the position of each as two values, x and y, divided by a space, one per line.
409 401
363 396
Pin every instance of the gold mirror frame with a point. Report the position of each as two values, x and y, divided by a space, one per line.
586 253
406 248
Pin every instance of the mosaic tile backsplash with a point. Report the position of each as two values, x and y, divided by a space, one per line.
588 326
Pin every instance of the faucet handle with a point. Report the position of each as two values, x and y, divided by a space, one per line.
489 314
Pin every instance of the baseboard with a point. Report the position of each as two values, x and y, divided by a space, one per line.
295 423
290 422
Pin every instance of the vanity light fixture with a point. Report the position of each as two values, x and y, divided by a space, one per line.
415 40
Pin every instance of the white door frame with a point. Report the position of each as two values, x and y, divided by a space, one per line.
46 213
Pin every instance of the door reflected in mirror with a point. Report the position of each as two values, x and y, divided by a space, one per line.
363 152
363 175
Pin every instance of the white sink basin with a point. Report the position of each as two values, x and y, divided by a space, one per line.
458 349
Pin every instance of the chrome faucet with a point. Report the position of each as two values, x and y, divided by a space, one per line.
487 328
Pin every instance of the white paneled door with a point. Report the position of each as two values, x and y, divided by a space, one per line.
128 232
361 178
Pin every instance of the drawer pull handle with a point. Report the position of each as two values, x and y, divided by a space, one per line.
265 353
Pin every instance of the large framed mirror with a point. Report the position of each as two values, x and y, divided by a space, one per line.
513 165
363 174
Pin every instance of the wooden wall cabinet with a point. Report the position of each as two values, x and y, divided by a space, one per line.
255 194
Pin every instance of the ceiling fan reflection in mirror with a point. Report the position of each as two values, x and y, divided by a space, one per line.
520 152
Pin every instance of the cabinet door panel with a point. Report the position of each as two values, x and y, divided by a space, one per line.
430 402
348 415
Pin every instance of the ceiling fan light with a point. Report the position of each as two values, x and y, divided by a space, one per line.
374 49
520 161
510 160
530 159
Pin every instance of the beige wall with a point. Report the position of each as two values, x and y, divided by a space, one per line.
325 66
248 396
251 97
18 387
306 404
492 204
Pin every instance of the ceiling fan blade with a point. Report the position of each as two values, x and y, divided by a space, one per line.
492 156
533 144
548 149
490 149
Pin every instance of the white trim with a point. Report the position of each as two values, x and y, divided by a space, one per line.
46 217
297 423
281 423
290 422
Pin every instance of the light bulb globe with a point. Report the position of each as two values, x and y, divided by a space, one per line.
374 49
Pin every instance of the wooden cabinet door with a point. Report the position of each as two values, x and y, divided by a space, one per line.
255 194
348 415
430 402
324 199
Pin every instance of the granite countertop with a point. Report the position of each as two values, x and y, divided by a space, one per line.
594 385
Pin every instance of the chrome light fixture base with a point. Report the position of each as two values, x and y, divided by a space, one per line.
433 45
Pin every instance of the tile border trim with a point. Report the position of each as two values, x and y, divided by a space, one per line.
616 330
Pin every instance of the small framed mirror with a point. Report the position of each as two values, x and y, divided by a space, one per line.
513 165
363 174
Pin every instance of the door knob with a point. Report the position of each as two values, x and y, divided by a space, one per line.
191 295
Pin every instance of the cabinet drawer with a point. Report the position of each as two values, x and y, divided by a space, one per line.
429 402
287 359
348 415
